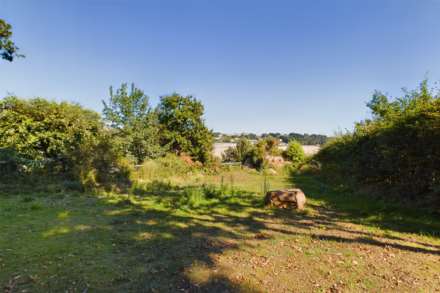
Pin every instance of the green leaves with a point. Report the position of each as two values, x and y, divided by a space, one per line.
294 153
182 127
8 50
397 151
134 121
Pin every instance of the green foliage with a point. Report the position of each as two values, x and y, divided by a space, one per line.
8 50
257 155
247 154
294 153
182 127
239 153
40 137
305 139
397 151
272 145
163 168
134 122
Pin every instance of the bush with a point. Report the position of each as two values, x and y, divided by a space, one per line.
248 154
56 140
164 167
396 152
294 153
239 153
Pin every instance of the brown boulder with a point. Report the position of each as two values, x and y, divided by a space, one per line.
286 198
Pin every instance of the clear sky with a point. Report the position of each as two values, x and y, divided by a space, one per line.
258 66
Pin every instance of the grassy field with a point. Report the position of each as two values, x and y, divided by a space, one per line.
190 237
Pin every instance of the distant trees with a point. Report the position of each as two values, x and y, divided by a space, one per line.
397 151
182 127
8 50
134 122
304 139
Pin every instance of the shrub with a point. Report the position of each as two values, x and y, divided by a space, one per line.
271 145
239 153
165 167
51 139
396 152
294 153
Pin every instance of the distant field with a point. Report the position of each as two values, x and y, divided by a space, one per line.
221 147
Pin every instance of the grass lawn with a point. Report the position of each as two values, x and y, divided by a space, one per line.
173 238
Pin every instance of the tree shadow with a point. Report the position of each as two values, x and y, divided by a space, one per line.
146 248
350 207
128 245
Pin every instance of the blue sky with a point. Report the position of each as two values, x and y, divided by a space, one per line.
258 66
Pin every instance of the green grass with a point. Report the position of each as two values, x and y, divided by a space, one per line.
211 233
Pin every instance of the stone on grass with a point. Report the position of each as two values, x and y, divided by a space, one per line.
286 198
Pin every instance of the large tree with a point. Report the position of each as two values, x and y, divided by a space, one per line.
128 112
8 50
183 127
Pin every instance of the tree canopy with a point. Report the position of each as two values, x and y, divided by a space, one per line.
135 123
182 126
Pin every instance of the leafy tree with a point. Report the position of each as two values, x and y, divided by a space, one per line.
294 153
182 127
56 139
8 50
135 123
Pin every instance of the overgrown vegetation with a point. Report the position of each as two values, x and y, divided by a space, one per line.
67 143
39 138
256 155
252 155
396 153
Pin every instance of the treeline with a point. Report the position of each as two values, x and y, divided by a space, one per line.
304 139
46 138
396 152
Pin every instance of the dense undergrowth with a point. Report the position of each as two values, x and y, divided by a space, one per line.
395 154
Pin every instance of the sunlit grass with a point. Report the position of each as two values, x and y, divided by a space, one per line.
213 235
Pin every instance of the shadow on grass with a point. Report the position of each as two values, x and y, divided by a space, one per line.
151 241
137 247
347 206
